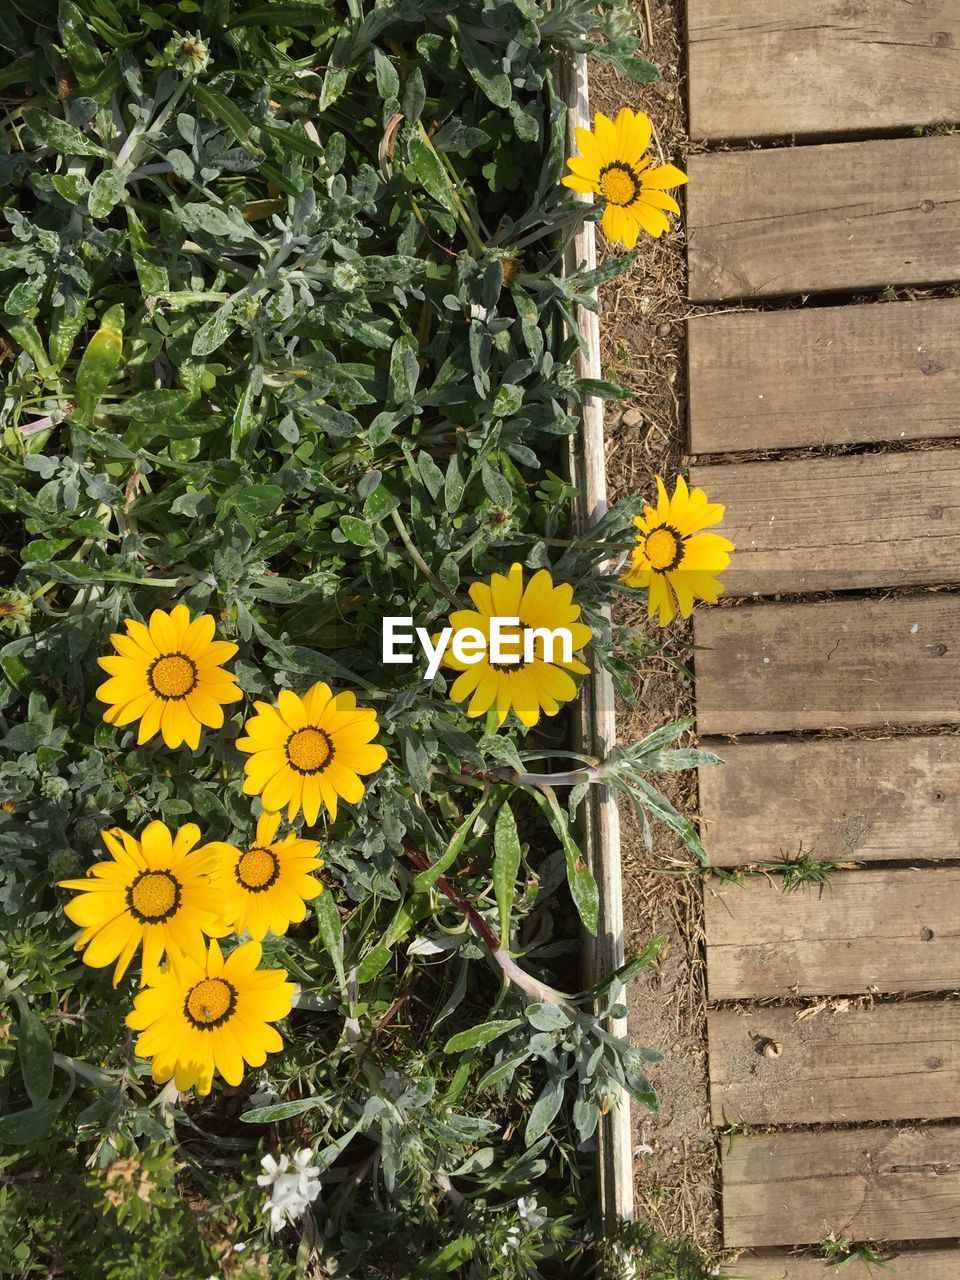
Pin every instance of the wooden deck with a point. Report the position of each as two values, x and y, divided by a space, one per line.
828 425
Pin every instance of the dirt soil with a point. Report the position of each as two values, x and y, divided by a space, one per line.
643 349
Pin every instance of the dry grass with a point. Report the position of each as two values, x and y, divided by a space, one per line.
643 349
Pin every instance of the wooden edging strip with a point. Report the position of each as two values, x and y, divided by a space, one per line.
597 723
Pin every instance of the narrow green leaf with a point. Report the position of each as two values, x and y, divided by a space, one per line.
427 879
35 1053
506 867
476 1037
583 887
330 929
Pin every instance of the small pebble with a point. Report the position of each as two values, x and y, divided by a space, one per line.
632 418
663 330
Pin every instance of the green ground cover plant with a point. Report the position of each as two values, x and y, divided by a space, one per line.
287 349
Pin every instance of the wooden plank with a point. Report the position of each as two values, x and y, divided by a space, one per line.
824 376
877 930
836 524
868 1184
866 799
834 664
807 219
820 66
911 1264
892 1062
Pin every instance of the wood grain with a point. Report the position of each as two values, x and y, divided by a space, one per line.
824 376
926 1264
892 1062
848 663
876 930
819 66
865 799
835 524
868 1184
809 219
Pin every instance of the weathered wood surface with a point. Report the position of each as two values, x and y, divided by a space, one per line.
910 1264
824 376
876 930
868 1184
808 219
838 524
866 799
892 1062
821 66
845 663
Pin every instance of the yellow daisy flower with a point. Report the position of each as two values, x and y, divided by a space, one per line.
168 676
309 751
672 558
526 687
156 892
211 1015
267 885
611 164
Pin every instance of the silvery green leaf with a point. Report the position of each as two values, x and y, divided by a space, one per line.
546 1017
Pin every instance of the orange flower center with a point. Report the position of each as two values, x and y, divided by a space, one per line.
514 644
257 869
664 548
210 1003
173 676
619 183
154 896
309 750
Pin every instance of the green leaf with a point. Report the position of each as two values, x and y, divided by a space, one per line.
107 191
428 878
583 887
426 168
388 81
545 1110
482 66
506 867
359 532
546 1017
282 1110
330 928
302 15
59 135
480 1035
99 363
35 1053
148 261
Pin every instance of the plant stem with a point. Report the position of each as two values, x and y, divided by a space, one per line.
421 564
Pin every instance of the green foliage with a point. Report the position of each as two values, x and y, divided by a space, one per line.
285 356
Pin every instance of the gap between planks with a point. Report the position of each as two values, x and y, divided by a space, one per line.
816 66
881 931
824 376
855 215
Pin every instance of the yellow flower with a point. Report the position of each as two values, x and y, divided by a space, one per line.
612 165
168 676
267 885
672 557
154 891
526 687
309 751
215 1014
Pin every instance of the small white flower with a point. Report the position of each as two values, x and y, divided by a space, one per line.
512 1241
532 1213
294 1185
